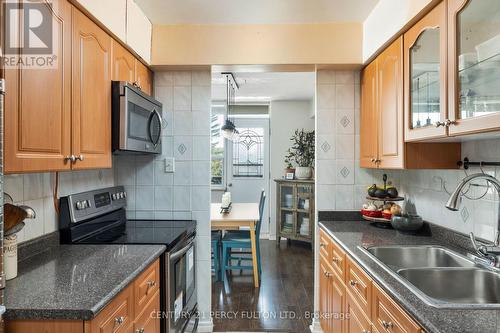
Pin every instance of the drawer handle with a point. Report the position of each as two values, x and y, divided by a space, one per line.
80 157
119 320
353 283
151 283
70 158
336 260
387 325
322 244
327 274
139 330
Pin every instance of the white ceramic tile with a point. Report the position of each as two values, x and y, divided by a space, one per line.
182 78
65 183
144 214
201 122
200 197
183 123
163 198
130 197
182 215
164 79
50 218
204 283
344 77
164 215
168 123
344 96
144 197
182 98
202 222
362 176
201 97
182 175
144 166
201 78
344 147
326 196
35 186
182 198
130 214
200 173
345 172
14 186
34 227
162 177
326 96
183 148
326 172
124 167
203 247
345 121
325 146
344 197
325 77
167 148
359 196
165 95
326 121
201 148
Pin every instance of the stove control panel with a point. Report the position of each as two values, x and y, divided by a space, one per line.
86 205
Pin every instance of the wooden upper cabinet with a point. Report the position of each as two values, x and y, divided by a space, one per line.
473 69
369 117
425 74
143 77
38 105
123 64
91 137
390 105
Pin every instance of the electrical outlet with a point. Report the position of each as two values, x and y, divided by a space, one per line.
169 165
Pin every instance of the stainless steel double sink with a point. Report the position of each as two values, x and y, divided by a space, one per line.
439 276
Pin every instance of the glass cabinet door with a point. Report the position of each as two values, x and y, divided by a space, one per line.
474 65
425 76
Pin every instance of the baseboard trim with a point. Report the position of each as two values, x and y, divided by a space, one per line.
205 325
315 327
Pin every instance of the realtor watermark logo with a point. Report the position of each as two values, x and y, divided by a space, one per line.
29 35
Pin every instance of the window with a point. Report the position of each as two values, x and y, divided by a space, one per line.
217 149
248 153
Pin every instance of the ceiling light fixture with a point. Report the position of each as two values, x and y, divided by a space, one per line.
229 130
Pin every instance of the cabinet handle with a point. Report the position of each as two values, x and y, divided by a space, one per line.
449 122
70 158
322 244
353 283
440 123
373 160
327 274
377 161
139 330
119 320
387 325
336 259
151 284
80 157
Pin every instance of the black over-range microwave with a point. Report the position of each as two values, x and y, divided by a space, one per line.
137 120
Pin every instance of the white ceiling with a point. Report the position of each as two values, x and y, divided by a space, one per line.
266 87
255 11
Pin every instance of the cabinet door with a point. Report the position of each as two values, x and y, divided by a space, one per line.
337 305
91 94
143 77
123 64
324 296
425 59
390 98
368 149
357 322
474 68
38 105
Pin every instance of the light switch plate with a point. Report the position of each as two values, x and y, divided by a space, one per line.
169 165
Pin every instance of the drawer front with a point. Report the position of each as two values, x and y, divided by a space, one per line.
357 321
325 245
148 321
388 317
146 285
338 257
116 317
359 284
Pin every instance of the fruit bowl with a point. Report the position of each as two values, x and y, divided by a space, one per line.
387 216
371 213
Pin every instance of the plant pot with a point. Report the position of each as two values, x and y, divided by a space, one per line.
289 170
303 172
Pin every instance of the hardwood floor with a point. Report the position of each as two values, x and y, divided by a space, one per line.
283 301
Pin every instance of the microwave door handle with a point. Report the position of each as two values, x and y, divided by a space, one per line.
181 252
160 120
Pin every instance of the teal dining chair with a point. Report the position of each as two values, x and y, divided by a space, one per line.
216 255
240 239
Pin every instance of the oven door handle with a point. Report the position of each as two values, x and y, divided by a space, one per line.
181 252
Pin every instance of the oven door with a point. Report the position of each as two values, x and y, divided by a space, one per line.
182 286
142 130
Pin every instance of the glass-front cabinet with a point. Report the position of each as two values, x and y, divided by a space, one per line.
295 210
425 60
474 65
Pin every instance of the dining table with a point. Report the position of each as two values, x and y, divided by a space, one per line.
239 215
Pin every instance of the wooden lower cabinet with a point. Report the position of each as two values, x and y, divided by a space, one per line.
355 303
121 315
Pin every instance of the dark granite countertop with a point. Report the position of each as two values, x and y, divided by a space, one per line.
351 234
74 281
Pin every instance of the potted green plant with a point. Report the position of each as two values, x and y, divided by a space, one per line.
289 166
302 153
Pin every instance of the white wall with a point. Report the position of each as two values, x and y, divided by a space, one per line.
36 190
285 118
386 20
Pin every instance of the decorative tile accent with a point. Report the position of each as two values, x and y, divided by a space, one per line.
326 146
345 172
345 121
465 214
181 149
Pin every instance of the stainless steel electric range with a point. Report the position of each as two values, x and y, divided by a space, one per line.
99 217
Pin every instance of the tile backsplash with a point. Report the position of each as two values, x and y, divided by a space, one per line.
342 184
36 190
